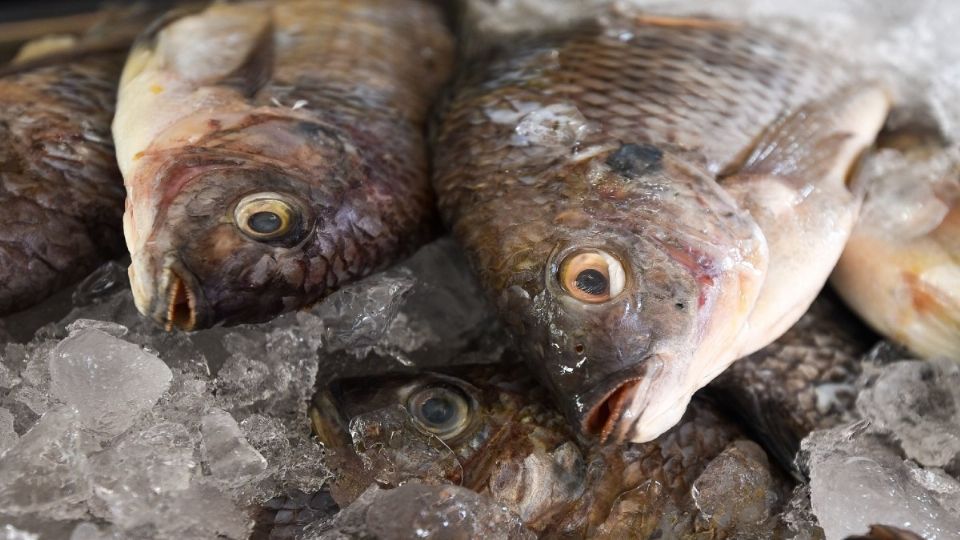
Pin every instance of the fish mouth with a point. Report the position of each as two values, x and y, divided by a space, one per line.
179 305
619 405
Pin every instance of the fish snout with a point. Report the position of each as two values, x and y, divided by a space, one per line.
167 292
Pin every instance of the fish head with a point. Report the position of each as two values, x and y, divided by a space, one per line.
478 426
639 289
260 219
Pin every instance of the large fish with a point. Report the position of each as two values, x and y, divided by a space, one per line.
486 428
900 270
649 199
60 190
273 151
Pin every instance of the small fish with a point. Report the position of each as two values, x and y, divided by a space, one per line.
803 381
274 151
649 199
900 270
60 189
487 429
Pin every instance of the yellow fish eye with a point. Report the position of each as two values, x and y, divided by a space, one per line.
440 410
592 276
265 216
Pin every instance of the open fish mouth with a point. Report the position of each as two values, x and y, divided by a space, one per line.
179 305
618 407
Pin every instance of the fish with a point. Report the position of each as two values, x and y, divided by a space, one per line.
60 188
886 532
274 151
900 270
648 199
492 429
804 381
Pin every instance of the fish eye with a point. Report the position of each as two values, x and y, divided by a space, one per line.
266 216
442 411
592 276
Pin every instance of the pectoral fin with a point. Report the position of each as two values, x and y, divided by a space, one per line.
795 182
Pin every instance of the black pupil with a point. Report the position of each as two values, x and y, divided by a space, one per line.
264 222
437 410
592 282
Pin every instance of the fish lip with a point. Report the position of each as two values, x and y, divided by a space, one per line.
623 387
179 290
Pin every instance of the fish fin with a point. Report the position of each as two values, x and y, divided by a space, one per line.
144 46
885 532
255 71
794 182
685 22
819 143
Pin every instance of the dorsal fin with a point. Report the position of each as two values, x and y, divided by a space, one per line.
250 76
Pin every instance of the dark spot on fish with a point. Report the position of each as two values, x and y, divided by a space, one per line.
679 305
579 348
592 282
633 160
215 124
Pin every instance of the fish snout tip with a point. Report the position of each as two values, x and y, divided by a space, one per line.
179 308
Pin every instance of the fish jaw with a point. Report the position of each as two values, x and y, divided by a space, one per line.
167 292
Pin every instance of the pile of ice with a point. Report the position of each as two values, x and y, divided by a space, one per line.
900 464
112 428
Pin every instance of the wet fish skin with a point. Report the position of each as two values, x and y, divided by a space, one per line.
315 105
521 453
60 189
712 174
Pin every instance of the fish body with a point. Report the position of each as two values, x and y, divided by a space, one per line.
60 189
648 200
497 437
900 271
273 151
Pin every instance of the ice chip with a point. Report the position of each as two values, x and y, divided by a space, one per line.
858 479
228 455
9 532
737 492
100 284
45 471
108 380
421 511
114 329
8 436
919 404
357 316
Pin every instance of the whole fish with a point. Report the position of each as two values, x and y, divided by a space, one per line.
487 429
273 151
649 199
803 381
900 271
60 189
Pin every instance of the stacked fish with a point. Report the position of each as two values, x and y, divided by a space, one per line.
646 200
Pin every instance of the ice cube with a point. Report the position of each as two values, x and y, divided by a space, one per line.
228 455
416 510
45 471
858 479
357 316
8 436
737 491
919 403
9 532
294 459
108 380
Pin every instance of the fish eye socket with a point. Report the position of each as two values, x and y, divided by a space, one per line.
266 216
592 276
440 410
